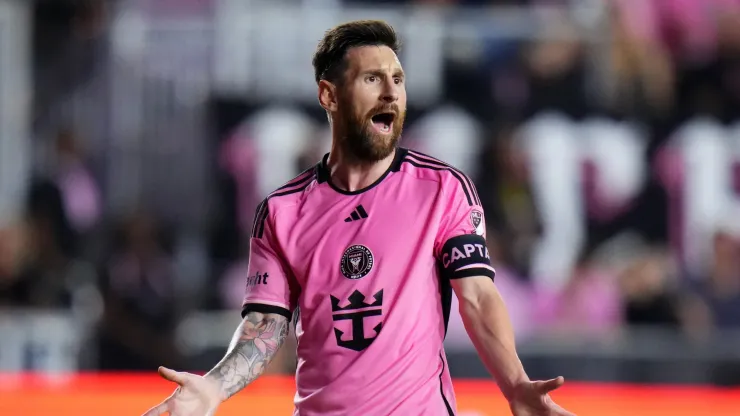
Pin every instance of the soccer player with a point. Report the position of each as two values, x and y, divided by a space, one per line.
363 252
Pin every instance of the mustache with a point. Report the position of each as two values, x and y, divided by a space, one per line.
392 108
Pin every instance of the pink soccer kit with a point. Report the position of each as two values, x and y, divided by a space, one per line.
366 275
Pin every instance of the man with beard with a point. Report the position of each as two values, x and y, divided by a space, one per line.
363 252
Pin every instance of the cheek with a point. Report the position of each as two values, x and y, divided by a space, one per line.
365 100
402 99
362 113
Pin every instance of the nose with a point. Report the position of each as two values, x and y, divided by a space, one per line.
390 92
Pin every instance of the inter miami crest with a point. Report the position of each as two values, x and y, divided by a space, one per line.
357 261
476 219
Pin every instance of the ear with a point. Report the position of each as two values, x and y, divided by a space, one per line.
328 96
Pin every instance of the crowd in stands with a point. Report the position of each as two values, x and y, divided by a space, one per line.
611 193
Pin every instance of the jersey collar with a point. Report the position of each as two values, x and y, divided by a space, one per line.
324 175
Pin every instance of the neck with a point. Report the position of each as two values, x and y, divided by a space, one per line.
349 174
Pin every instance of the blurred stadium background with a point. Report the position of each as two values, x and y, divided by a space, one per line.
137 137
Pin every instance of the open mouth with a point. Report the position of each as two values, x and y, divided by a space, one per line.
383 122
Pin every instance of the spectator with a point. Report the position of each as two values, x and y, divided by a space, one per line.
508 200
137 330
589 305
79 188
642 73
719 292
556 70
716 303
649 294
711 86
48 276
12 250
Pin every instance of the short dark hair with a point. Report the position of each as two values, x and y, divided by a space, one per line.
329 59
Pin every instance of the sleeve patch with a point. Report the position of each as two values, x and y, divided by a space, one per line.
478 222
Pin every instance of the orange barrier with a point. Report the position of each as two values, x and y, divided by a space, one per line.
119 395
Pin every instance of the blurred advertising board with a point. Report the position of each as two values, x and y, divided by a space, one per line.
114 395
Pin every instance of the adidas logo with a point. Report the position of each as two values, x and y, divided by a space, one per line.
358 214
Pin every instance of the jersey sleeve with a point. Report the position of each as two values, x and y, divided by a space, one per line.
270 287
460 247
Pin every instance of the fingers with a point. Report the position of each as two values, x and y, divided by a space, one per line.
558 410
159 409
562 412
171 375
550 385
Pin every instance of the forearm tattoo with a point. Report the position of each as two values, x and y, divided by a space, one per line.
255 344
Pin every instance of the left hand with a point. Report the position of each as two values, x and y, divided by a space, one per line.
531 398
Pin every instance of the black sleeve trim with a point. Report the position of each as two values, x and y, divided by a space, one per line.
262 308
474 271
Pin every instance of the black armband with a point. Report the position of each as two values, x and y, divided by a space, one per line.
465 256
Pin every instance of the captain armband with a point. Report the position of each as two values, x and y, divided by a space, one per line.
465 256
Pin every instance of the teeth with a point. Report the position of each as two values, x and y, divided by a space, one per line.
383 126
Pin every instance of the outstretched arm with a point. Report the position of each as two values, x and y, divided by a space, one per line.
487 322
462 254
254 345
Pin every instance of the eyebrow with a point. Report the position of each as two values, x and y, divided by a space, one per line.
380 73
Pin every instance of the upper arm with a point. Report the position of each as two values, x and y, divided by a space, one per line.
264 326
473 290
460 246
270 288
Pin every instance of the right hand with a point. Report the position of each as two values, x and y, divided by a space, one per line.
532 398
195 396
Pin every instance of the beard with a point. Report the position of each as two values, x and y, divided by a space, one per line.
360 140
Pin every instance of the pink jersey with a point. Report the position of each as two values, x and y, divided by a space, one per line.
367 274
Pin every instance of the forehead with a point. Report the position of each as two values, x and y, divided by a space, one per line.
364 58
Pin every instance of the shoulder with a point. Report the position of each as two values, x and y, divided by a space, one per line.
450 179
291 193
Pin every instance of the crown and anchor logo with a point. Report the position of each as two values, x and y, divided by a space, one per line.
356 311
357 301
